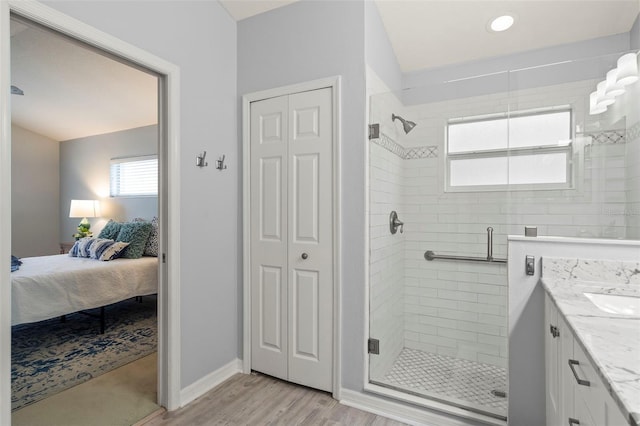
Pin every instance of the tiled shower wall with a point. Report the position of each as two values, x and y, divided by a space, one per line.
460 308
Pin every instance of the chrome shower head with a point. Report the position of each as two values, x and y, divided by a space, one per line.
406 124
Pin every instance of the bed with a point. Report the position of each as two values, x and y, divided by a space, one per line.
52 286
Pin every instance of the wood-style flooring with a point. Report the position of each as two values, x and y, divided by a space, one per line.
257 399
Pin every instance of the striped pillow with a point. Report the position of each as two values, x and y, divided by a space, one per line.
99 246
113 251
82 247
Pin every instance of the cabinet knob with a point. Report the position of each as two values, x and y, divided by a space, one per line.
573 421
305 256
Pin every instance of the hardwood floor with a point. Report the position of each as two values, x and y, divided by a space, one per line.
258 399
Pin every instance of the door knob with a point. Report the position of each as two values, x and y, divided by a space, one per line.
305 256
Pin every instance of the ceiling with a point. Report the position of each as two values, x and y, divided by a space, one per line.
433 33
72 92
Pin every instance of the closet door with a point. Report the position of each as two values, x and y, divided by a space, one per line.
310 216
292 238
269 306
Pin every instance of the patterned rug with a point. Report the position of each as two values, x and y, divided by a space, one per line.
50 356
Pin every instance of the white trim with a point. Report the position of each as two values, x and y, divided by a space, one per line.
400 412
335 84
169 310
210 381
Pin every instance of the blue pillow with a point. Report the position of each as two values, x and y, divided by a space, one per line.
110 230
136 234
82 247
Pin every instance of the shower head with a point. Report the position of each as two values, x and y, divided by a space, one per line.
406 124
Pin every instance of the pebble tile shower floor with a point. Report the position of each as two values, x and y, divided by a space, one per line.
444 376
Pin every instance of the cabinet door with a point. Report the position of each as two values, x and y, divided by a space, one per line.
551 348
567 381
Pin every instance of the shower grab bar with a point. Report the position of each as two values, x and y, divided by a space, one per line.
430 255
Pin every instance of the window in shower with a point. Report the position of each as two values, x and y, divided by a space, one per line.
521 150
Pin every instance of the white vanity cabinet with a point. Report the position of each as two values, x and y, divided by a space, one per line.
575 392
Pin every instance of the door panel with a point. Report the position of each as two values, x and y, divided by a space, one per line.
310 212
269 339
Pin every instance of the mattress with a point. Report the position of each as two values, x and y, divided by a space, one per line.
50 286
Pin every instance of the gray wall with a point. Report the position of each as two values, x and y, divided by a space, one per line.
35 194
634 34
84 175
306 41
379 53
200 38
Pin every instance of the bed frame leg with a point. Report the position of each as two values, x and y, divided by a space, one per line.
102 320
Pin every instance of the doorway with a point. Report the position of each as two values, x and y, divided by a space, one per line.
291 239
168 306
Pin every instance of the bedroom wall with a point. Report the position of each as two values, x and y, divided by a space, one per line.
84 175
35 193
200 38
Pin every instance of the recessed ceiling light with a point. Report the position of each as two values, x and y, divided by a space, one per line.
501 23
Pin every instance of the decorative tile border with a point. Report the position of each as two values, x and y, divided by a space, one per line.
633 132
405 153
609 137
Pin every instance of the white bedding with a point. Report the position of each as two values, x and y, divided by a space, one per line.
49 286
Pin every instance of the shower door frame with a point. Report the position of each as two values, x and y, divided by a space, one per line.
368 386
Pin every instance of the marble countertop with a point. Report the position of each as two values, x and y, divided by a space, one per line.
611 341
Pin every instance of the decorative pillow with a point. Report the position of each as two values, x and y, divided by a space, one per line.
99 246
110 230
135 233
114 251
151 249
82 247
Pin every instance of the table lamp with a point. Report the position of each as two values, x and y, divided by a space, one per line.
84 209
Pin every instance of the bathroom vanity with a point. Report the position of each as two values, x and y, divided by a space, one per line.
592 342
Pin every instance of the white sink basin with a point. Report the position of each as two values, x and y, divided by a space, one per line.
615 304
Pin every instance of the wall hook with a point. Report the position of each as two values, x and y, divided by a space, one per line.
220 163
200 160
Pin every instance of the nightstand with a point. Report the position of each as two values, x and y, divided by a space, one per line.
65 247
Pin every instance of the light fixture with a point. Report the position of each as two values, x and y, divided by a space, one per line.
406 124
501 23
613 88
593 104
84 209
628 69
601 98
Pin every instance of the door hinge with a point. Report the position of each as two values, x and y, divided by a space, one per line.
164 258
373 346
374 131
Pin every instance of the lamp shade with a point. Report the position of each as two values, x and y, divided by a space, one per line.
594 109
84 208
628 69
613 87
602 99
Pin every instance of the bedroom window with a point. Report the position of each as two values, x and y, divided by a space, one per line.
134 176
521 150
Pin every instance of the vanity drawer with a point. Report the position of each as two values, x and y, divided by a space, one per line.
587 383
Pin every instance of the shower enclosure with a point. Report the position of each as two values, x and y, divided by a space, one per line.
483 158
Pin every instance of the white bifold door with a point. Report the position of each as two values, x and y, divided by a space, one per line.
292 238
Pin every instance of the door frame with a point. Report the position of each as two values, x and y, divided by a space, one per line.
334 83
168 196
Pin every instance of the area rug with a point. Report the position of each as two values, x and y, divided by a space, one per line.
50 356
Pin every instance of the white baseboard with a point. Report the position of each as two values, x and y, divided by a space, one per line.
399 412
210 381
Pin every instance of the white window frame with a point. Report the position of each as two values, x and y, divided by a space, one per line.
511 152
121 160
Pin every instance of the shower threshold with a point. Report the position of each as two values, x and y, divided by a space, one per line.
465 384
